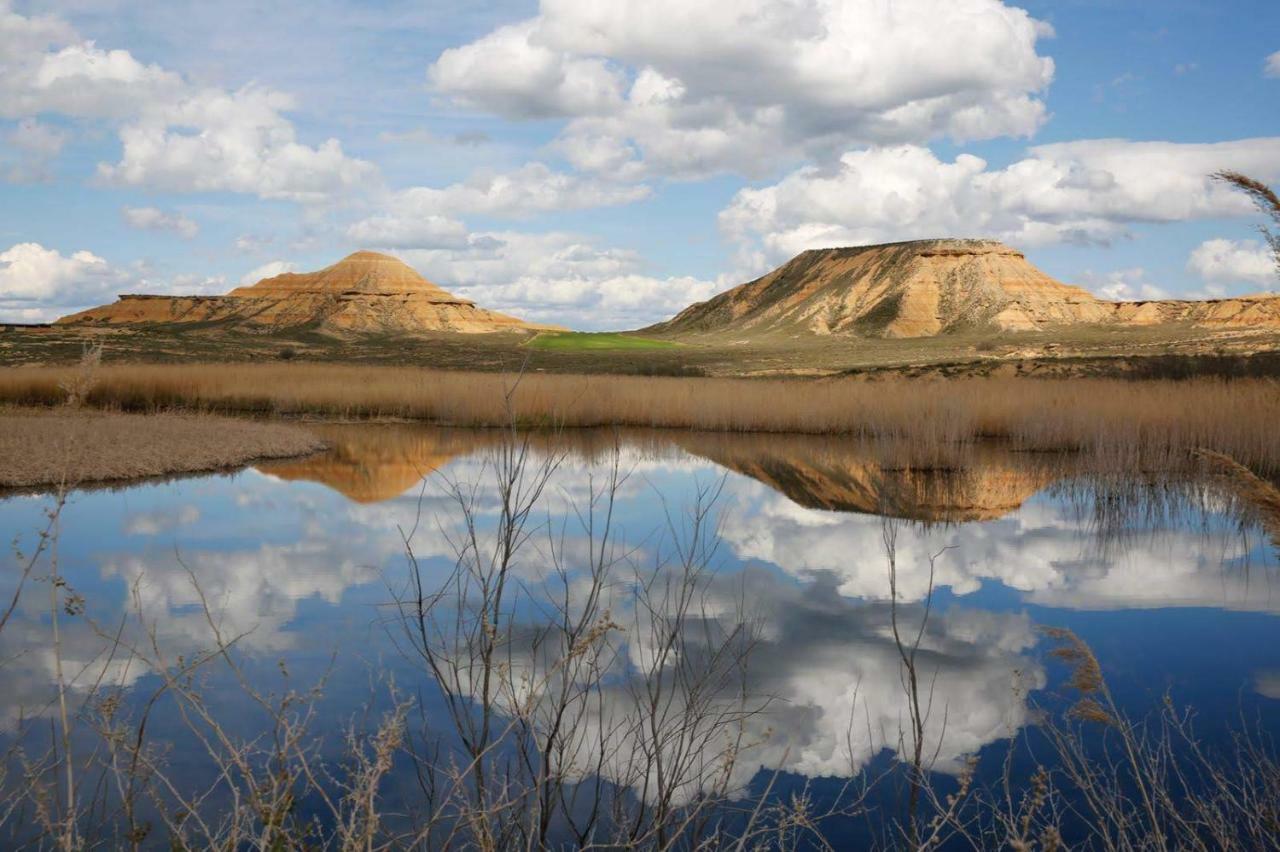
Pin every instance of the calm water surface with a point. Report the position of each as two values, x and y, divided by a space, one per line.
1168 578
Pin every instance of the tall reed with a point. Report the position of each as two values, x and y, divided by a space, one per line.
1146 420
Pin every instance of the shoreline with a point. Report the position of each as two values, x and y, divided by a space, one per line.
64 449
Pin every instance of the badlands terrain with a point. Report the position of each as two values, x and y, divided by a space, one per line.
974 307
365 292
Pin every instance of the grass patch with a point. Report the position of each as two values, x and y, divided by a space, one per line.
583 340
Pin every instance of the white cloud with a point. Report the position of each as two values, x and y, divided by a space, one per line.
34 279
242 143
558 277
155 219
511 71
1234 262
267 270
33 146
39 284
533 188
1124 285
1272 67
176 136
425 217
252 243
691 89
409 225
1085 191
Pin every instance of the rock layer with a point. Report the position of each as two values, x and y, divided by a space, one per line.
363 292
931 287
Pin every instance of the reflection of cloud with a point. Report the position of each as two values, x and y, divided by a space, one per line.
161 520
1043 549
835 666
1267 683
252 596
250 592
825 669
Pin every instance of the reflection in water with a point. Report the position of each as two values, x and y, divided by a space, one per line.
1012 540
373 463
844 475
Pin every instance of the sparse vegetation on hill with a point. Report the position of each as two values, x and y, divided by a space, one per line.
364 293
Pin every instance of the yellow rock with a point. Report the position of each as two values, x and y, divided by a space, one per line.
930 287
363 292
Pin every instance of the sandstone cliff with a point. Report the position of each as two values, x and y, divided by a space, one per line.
931 287
363 292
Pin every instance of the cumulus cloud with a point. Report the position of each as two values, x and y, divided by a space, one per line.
558 277
1223 261
1124 285
155 219
1085 191
410 224
529 79
1272 66
267 270
37 284
175 135
692 89
533 188
426 217
30 149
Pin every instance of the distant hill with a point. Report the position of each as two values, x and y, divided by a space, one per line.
932 287
363 292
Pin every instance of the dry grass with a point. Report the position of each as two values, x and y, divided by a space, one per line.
69 447
1149 422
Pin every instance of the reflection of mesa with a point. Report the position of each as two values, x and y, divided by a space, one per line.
843 475
371 463
365 291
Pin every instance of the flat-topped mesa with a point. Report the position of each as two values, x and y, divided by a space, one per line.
363 292
929 287
910 289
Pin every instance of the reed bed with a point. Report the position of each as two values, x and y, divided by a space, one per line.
1149 422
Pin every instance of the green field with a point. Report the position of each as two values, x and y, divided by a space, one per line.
581 340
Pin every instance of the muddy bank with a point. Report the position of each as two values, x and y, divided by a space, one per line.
51 447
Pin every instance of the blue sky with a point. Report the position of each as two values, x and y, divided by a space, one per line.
603 164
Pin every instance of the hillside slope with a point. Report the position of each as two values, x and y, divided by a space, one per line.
930 287
363 292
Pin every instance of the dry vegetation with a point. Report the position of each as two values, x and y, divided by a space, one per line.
1149 422
70 446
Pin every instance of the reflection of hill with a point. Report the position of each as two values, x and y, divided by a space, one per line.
848 475
369 463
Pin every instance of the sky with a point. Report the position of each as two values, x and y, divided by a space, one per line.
603 164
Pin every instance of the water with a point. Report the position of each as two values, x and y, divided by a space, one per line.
297 566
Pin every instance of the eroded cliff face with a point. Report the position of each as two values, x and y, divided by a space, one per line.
930 287
364 292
